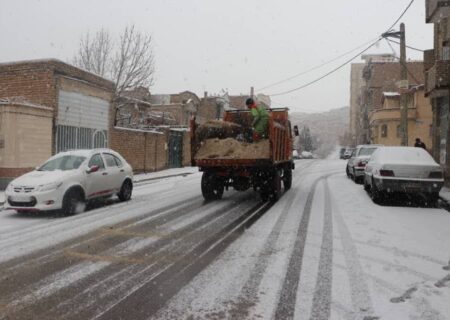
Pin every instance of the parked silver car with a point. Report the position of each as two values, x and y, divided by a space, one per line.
357 162
403 169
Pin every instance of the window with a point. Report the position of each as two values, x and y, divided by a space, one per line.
445 51
97 160
118 162
63 163
384 131
110 161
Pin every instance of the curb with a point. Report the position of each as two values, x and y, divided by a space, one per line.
163 177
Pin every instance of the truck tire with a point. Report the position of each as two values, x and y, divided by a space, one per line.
287 178
276 186
212 186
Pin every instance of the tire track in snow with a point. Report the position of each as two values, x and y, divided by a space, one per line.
360 295
286 303
116 268
155 291
249 293
321 307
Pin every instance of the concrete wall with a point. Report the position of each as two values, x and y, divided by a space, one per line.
25 139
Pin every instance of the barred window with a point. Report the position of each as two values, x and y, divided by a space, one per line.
384 131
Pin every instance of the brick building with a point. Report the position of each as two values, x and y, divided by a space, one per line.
49 106
437 79
381 78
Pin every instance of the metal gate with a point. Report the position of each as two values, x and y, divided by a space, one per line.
176 149
71 138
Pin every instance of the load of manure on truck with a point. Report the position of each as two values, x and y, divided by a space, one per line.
228 157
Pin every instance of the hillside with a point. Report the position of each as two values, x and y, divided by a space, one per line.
327 126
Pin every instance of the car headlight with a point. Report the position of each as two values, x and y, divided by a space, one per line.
49 186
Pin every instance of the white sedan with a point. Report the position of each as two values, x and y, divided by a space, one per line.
69 179
403 169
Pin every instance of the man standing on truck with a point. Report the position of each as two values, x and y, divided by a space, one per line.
260 119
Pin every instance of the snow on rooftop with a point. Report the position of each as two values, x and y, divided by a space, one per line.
391 94
21 101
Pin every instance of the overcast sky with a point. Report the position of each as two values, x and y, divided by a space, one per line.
209 45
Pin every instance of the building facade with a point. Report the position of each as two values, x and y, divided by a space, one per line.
48 106
381 78
437 79
385 122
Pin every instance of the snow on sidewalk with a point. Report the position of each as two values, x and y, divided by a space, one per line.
445 194
165 174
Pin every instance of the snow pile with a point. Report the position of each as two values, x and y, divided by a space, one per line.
233 149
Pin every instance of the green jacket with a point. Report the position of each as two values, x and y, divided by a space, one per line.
260 120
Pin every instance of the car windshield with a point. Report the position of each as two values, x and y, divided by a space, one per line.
63 163
366 151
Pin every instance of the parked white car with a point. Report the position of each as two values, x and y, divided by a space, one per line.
403 169
69 179
358 160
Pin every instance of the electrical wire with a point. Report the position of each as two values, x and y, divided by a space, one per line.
409 47
328 73
315 67
403 64
401 16
346 62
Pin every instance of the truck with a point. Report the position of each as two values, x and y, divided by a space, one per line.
265 165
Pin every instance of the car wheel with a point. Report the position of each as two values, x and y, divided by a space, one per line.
125 191
432 199
366 185
376 195
73 202
348 172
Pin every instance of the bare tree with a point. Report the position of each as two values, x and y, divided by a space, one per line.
129 62
94 54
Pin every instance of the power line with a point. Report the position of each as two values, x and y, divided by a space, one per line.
348 61
403 64
409 47
316 67
401 16
328 73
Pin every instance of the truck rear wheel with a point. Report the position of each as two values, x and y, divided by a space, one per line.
212 186
276 186
287 178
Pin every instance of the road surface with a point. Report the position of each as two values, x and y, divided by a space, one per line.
324 251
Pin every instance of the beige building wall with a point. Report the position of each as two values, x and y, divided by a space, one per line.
419 122
356 83
26 136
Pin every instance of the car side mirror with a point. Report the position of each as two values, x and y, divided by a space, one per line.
92 169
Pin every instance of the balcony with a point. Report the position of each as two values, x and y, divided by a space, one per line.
437 9
393 114
437 77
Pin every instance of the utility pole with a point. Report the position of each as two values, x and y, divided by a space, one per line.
404 87
403 84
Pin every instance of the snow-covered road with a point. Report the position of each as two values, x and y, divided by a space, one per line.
324 251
